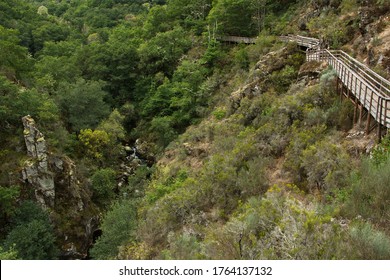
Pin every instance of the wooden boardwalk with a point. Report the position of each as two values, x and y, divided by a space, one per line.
310 43
368 91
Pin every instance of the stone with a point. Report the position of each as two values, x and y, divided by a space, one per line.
36 171
57 188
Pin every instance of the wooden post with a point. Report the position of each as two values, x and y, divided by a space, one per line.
365 96
369 117
385 122
380 121
361 106
356 82
368 123
342 82
348 83
360 114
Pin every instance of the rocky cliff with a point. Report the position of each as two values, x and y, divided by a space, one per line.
58 189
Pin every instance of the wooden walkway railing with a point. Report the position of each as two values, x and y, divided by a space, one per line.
310 43
367 89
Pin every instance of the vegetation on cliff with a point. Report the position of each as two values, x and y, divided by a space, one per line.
164 142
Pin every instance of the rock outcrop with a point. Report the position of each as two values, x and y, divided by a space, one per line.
36 169
259 80
58 189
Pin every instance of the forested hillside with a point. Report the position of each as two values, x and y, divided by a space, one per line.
130 130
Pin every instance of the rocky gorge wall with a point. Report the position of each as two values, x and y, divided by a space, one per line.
53 179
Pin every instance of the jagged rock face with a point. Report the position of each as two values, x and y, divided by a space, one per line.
36 170
258 84
58 189
311 70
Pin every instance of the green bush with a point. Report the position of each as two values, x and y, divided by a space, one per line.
219 114
278 225
326 165
118 227
103 184
33 235
369 243
8 200
10 254
370 194
33 241
183 247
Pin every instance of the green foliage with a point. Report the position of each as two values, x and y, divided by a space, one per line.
369 243
33 241
160 53
191 14
283 78
326 165
264 43
348 6
383 3
113 126
7 199
96 142
29 211
371 193
163 131
241 58
52 70
183 247
118 226
49 31
234 17
381 153
219 114
33 236
157 191
301 140
330 27
277 226
10 254
72 63
14 60
138 182
103 184
15 104
213 55
82 104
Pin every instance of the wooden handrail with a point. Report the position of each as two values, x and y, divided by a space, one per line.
370 89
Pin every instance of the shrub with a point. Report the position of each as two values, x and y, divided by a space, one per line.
33 241
370 194
183 247
33 236
96 142
276 226
219 114
8 198
368 243
118 227
326 166
103 184
10 254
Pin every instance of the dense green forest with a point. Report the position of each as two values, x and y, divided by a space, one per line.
129 130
